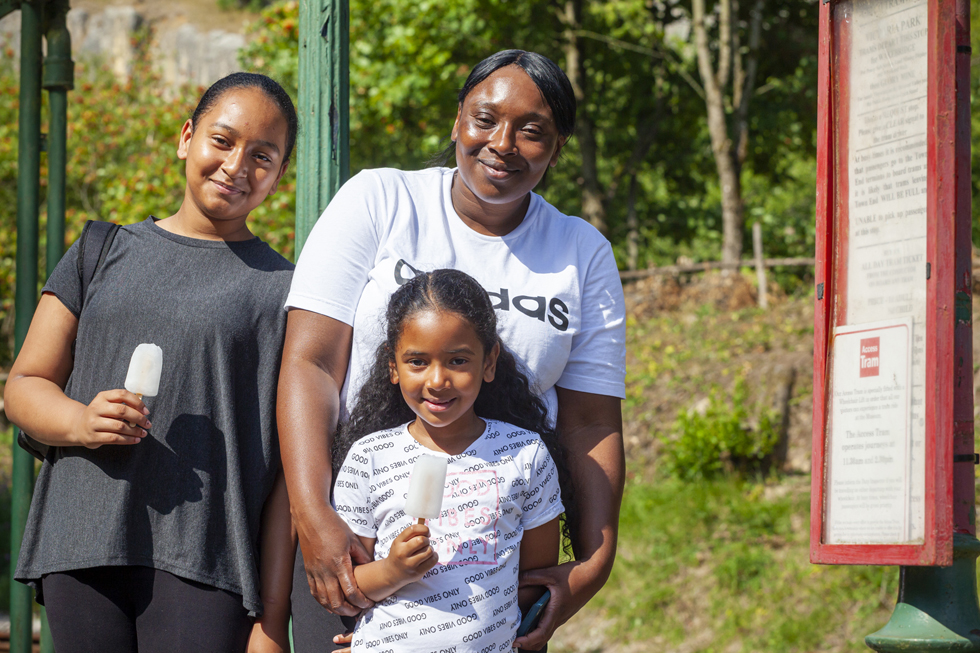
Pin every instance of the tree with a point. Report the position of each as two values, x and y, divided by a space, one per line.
728 115
592 205
640 164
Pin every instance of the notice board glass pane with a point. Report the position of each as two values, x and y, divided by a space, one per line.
876 421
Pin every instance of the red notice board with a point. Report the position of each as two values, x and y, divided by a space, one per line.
883 335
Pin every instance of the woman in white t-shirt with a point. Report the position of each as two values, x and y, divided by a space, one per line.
558 299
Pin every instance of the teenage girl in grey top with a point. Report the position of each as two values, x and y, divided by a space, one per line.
144 528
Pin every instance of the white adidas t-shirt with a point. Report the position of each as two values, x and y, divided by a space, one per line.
553 280
502 485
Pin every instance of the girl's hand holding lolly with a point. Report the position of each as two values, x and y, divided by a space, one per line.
411 556
113 417
143 380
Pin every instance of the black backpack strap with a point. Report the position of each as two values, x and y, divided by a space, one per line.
93 247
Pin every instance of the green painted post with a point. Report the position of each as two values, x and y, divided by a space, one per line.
323 153
58 79
28 183
937 606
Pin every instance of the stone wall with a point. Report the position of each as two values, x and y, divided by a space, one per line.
182 53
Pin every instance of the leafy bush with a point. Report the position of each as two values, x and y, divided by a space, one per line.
720 438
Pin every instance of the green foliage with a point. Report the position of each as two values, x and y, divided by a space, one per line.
5 499
705 443
273 46
8 215
409 57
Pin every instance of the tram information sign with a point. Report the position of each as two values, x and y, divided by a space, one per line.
883 334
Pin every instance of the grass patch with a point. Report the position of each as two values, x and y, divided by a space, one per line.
723 565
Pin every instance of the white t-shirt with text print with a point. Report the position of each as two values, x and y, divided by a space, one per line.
503 484
553 280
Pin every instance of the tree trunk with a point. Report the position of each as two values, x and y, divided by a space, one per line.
729 149
732 215
593 209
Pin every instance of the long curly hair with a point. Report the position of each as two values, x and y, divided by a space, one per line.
507 398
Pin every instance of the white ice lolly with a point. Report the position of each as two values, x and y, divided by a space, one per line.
143 378
426 487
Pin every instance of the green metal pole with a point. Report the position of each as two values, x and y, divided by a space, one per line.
58 79
323 156
28 183
323 151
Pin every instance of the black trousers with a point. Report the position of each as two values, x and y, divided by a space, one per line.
123 609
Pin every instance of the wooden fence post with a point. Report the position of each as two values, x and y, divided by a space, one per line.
760 268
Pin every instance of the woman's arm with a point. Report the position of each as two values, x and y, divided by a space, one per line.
314 363
591 428
34 396
409 559
539 550
278 550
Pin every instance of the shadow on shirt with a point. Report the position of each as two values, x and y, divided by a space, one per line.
181 481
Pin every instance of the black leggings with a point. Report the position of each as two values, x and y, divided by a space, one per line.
110 609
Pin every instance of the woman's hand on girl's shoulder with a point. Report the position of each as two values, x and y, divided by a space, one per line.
411 555
112 417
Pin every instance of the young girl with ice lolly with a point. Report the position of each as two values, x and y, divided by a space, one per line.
441 384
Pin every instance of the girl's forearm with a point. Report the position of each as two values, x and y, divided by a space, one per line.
270 634
278 551
34 396
376 580
539 549
41 408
